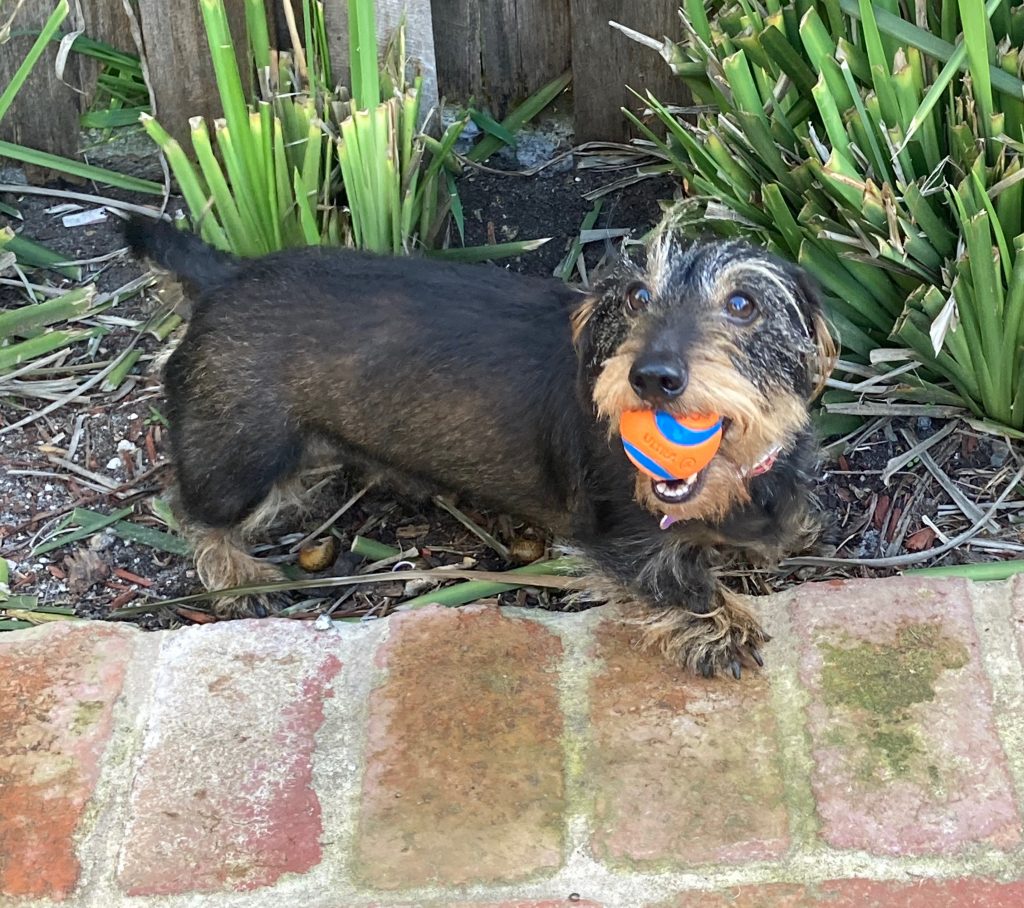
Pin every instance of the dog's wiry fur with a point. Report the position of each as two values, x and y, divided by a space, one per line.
508 390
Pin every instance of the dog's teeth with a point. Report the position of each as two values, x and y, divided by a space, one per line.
677 489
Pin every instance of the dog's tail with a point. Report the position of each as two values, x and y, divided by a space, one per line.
197 265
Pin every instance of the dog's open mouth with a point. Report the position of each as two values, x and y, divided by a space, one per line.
678 491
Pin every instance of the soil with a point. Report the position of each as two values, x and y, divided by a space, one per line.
120 437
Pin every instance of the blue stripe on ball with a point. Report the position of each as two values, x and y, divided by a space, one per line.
683 435
646 462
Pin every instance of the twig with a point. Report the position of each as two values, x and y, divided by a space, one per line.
83 197
477 531
854 438
78 392
390 560
919 447
551 581
971 510
96 478
908 513
887 408
330 520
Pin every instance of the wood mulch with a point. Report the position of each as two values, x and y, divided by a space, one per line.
72 452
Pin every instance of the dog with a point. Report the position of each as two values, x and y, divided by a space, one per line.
507 390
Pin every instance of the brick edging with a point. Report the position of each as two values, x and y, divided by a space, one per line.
641 783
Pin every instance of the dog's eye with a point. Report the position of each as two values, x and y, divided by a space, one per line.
638 298
740 308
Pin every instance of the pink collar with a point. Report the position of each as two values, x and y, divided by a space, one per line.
765 463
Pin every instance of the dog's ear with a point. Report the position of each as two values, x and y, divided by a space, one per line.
823 360
580 322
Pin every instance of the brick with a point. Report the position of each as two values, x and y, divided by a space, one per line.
683 770
58 686
569 902
526 903
1015 590
464 760
906 756
223 795
959 893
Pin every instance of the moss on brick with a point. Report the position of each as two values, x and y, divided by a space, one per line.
883 682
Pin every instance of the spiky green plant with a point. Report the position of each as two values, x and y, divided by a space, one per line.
393 175
309 163
265 178
883 156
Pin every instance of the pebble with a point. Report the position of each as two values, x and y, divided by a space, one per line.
1000 451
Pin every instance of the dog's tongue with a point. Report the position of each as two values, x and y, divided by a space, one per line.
667 521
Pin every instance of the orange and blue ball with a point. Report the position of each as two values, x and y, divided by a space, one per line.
669 446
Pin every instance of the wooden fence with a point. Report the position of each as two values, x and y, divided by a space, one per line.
494 51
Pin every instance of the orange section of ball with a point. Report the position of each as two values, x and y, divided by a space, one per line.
655 451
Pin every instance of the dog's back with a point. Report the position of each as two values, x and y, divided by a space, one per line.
437 372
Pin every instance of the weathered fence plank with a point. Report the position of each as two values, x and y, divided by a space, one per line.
604 62
45 112
419 40
500 51
180 71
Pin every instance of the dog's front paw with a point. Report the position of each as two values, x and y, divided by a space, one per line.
718 642
722 654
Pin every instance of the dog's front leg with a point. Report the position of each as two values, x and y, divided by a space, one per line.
682 609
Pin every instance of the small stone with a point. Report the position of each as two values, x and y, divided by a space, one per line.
114 463
526 551
318 556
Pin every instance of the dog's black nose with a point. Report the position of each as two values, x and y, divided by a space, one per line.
657 378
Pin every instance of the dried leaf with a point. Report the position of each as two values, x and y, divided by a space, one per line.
945 321
414 531
197 617
881 509
921 540
85 568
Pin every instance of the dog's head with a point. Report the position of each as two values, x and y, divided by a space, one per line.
706 328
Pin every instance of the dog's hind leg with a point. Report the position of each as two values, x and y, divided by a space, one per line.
229 485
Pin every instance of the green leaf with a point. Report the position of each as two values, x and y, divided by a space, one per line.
88 522
78 169
471 590
24 320
492 127
35 255
522 115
